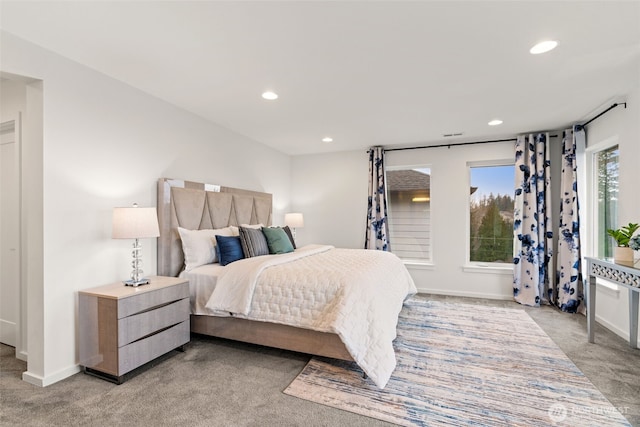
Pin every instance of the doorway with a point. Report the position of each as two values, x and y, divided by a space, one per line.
20 97
10 241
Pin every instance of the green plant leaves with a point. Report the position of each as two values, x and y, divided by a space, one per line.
623 234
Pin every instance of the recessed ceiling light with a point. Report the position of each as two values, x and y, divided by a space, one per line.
495 122
327 139
270 96
543 47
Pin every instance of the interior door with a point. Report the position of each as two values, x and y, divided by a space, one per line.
9 231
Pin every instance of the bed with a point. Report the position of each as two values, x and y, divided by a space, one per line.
293 301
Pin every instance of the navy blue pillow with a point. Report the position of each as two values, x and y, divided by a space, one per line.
229 249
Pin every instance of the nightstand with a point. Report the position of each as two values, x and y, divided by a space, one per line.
122 327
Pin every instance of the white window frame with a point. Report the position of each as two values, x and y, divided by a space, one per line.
476 266
426 264
591 193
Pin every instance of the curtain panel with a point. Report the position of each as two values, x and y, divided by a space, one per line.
568 293
377 232
532 230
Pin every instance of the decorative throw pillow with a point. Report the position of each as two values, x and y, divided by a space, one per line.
198 246
277 240
229 249
255 226
288 231
253 242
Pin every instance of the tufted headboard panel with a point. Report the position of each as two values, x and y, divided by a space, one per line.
197 206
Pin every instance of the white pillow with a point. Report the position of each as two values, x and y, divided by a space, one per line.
199 246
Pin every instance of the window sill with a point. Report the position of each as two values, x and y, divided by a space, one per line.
488 269
419 265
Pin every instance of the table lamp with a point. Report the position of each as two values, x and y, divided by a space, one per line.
294 220
135 223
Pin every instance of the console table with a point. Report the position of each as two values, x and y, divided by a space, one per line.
623 274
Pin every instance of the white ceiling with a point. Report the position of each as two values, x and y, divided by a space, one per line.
365 73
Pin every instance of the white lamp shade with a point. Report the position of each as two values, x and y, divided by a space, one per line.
135 223
294 220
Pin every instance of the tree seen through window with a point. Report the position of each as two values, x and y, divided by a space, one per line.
491 214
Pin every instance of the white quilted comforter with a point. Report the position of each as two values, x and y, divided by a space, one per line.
354 293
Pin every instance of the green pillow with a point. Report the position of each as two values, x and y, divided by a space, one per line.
277 240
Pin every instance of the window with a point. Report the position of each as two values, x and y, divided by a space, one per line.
601 196
409 210
605 181
491 213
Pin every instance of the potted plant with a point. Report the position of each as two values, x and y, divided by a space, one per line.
622 236
634 243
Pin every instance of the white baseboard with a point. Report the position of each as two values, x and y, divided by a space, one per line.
465 294
40 381
30 378
610 326
22 355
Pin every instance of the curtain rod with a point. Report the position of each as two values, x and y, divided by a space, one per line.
450 145
498 140
605 111
453 144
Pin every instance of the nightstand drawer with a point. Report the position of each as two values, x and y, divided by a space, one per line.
146 300
134 327
143 351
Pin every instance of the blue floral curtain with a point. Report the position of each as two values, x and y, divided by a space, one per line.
532 221
568 293
377 234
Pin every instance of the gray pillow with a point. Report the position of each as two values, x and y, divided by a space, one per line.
288 231
253 242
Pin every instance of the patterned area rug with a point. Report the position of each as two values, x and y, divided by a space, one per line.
465 365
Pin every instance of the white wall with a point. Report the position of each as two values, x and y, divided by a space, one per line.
14 97
105 144
331 190
612 307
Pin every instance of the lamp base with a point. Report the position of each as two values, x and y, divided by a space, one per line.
131 282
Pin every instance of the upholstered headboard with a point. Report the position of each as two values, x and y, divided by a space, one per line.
197 206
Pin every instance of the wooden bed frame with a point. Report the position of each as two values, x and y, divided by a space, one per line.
197 206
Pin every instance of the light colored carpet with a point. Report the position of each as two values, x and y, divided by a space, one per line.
465 365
